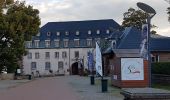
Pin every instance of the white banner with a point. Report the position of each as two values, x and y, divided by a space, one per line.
144 42
98 60
132 69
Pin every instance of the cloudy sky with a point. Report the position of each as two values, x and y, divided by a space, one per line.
73 10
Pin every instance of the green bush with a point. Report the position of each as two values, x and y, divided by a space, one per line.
161 68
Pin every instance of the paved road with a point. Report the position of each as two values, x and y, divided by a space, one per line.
59 88
54 88
81 85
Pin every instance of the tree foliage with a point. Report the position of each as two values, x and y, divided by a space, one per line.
19 23
168 12
134 18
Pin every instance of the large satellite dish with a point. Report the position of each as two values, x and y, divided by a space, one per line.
146 8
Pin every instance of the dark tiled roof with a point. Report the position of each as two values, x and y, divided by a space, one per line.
131 39
71 27
160 44
81 26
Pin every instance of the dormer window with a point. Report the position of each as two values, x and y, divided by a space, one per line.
47 43
36 43
65 42
89 42
107 31
48 33
76 42
98 31
57 43
66 33
77 33
89 32
58 33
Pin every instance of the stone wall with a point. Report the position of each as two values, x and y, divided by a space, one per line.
9 76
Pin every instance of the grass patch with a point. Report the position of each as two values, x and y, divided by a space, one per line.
161 86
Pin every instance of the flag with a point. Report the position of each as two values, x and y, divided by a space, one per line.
98 60
144 42
90 60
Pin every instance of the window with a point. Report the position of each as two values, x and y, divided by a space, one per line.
48 33
29 44
36 43
47 55
66 33
57 43
47 43
47 65
155 58
98 31
89 42
65 42
76 53
89 32
76 42
37 55
60 65
33 66
56 54
77 33
64 54
58 33
29 55
113 45
107 31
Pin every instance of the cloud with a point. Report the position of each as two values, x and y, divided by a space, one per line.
164 31
69 10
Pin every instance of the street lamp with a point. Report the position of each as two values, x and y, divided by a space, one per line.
151 12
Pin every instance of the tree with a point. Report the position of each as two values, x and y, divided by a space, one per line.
136 18
19 24
168 10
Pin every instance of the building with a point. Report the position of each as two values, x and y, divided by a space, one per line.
62 47
160 49
122 61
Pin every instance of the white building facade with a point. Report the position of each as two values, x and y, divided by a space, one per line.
62 47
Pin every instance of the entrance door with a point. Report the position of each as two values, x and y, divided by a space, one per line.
75 70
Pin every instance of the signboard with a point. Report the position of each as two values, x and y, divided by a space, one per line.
18 71
132 69
144 42
98 60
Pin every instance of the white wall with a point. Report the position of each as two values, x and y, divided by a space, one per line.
54 61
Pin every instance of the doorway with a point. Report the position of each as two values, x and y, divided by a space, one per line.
74 67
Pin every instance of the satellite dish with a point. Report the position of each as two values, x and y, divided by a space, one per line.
146 8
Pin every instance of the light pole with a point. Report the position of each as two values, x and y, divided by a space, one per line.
151 12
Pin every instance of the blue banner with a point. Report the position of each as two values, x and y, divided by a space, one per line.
90 60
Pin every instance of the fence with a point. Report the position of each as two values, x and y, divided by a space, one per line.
160 78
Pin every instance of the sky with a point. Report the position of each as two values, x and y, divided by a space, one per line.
76 10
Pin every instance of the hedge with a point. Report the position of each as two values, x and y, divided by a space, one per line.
161 68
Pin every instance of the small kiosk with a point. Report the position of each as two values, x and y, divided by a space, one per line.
128 70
